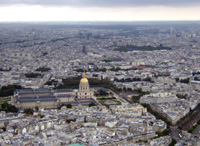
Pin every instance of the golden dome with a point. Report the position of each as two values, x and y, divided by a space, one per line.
84 79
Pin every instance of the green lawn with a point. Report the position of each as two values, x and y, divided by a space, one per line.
101 96
4 99
110 102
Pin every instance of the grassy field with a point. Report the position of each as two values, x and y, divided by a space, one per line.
102 96
110 102
4 99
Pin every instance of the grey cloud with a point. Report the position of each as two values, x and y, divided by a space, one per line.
103 3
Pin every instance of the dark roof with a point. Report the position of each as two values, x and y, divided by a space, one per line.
33 91
65 96
37 98
63 90
72 103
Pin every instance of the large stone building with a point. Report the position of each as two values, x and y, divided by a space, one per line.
48 98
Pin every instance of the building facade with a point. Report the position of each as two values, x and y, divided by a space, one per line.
48 98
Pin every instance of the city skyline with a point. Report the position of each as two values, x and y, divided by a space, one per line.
87 10
99 83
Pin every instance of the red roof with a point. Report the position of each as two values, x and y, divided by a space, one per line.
139 67
183 59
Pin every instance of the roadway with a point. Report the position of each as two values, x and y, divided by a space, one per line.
175 131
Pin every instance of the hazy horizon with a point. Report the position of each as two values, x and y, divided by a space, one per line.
100 22
93 10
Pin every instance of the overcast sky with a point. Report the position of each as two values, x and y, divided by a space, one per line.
99 10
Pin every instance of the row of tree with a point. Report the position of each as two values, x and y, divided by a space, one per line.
73 83
194 127
8 69
70 105
43 69
8 108
187 80
184 96
33 75
141 48
147 79
157 114
101 93
8 90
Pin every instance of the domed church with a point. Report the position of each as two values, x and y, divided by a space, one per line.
84 88
49 98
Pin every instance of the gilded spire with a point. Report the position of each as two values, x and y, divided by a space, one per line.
84 76
84 79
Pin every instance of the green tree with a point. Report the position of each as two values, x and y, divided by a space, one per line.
182 96
141 48
139 90
28 111
33 75
185 80
101 93
173 142
8 90
36 108
69 106
79 70
119 90
44 53
8 108
92 104
136 99
66 105
124 89
43 69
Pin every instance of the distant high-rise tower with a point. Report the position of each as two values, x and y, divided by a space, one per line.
84 50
